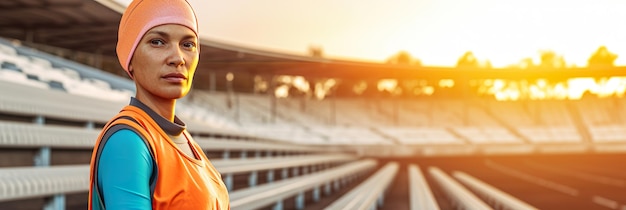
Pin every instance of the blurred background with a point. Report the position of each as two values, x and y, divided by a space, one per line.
339 104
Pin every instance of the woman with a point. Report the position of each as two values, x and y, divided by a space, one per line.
144 158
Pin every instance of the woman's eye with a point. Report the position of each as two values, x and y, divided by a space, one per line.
157 42
189 45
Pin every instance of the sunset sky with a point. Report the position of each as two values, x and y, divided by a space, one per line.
437 32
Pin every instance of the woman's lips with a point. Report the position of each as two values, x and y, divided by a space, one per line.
174 77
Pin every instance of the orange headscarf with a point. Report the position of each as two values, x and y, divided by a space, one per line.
143 15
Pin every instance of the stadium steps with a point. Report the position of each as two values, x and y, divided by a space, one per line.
579 123
458 135
280 193
370 193
392 139
504 123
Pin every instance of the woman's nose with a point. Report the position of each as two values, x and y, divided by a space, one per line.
177 57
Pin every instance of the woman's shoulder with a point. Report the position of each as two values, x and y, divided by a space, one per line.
125 139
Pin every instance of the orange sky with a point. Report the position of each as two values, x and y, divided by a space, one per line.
437 32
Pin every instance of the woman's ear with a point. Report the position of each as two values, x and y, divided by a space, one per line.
131 71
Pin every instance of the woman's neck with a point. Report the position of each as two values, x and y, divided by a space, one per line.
163 107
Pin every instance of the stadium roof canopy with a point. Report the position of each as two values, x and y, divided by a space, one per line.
91 26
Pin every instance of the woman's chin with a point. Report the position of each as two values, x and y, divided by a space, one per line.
174 93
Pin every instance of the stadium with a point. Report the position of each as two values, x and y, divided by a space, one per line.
308 132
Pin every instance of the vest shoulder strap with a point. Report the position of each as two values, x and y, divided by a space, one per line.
129 118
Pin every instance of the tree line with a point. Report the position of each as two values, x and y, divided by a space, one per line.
602 57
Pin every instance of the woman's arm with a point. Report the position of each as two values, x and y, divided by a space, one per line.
124 172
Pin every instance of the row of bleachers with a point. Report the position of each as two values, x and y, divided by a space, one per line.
352 114
536 121
608 133
321 135
432 122
355 112
601 111
513 111
255 109
532 113
287 133
527 119
201 114
212 102
32 101
10 75
443 113
40 72
42 104
488 135
421 135
351 135
370 193
551 134
553 112
28 135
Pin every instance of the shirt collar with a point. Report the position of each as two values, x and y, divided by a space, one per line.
171 128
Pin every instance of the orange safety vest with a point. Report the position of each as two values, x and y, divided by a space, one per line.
182 181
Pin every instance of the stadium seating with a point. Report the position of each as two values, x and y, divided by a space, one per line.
26 182
491 194
608 133
463 198
421 135
286 133
488 135
421 197
230 167
276 193
601 111
370 193
339 135
551 134
420 122
29 135
54 104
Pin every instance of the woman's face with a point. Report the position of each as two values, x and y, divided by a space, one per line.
165 61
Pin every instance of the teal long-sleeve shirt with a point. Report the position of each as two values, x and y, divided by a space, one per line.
124 172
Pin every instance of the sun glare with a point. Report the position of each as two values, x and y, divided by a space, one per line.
506 32
572 89
436 33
